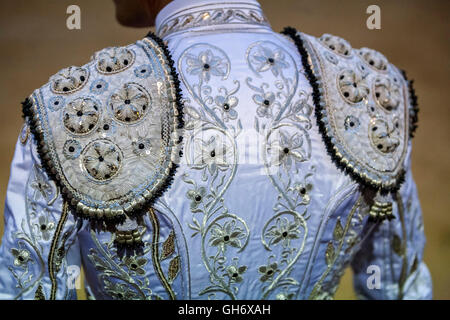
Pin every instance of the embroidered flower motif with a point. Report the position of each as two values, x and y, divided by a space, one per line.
283 231
351 124
382 137
40 185
235 273
102 160
143 71
69 80
336 44
81 116
71 149
21 257
225 235
130 103
99 86
352 86
268 59
45 227
142 147
302 190
56 103
387 93
120 291
205 65
197 196
373 58
226 106
268 271
114 59
285 296
265 102
136 264
287 149
211 154
107 128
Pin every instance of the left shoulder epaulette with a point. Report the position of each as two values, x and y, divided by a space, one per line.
109 132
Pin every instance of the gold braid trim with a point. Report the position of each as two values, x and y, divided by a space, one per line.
155 254
51 255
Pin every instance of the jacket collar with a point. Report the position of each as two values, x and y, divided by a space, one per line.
204 15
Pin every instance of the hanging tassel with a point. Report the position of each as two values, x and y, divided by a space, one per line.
128 239
381 210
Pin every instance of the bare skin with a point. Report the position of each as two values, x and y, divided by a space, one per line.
138 13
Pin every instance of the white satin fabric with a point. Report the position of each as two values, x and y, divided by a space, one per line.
248 224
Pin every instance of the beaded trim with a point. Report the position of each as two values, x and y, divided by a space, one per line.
106 215
414 110
321 117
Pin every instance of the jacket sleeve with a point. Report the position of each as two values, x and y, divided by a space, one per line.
39 254
389 264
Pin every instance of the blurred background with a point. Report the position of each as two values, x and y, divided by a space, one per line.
415 36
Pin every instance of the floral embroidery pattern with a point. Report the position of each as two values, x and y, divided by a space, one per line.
352 86
102 159
69 80
211 150
283 120
205 64
35 229
99 86
143 71
124 277
267 59
336 44
81 116
130 103
387 93
113 60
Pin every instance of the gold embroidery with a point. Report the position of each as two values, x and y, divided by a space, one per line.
174 268
332 252
51 256
168 246
39 294
156 258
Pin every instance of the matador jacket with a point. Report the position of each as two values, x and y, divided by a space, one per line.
217 159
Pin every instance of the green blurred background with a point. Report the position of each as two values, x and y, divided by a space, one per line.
415 36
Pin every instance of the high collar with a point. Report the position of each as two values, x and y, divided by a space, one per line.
188 15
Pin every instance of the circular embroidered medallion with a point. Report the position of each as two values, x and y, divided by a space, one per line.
102 159
81 116
130 103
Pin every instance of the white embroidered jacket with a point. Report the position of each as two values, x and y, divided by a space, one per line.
296 165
